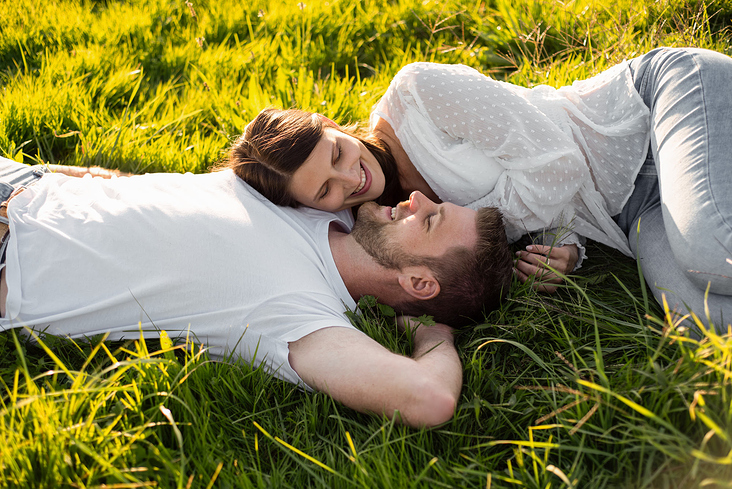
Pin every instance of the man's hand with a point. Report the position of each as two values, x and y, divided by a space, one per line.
539 261
362 374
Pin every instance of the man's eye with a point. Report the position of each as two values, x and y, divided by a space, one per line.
338 151
429 221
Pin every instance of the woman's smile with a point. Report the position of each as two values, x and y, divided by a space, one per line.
365 184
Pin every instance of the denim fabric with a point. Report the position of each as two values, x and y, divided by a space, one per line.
679 217
14 175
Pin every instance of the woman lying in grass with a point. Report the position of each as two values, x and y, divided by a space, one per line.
636 158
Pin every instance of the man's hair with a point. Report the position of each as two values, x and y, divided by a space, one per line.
472 282
277 142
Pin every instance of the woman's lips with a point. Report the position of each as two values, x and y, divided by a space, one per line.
367 185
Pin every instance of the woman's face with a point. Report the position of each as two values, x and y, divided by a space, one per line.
338 174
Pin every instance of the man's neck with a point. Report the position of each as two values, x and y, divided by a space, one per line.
360 273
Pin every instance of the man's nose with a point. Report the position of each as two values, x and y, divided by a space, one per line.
417 200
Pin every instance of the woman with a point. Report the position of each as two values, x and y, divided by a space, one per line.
642 146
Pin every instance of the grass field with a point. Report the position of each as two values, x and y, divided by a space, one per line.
592 387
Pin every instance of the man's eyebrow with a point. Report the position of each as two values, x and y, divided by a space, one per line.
440 216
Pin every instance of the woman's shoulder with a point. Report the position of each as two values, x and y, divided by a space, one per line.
423 72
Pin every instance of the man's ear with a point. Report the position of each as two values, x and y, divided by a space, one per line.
419 282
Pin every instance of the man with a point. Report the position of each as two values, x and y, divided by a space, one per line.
209 255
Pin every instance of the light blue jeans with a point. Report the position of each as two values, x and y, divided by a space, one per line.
682 201
14 175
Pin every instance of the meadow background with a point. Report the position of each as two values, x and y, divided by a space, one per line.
592 387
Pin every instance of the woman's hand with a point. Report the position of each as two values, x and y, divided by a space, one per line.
534 262
81 171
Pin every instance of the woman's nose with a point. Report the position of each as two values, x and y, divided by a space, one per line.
351 175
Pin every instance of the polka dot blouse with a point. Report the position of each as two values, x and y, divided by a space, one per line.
544 157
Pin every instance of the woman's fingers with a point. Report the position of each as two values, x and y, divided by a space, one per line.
541 249
532 258
540 283
538 266
536 259
562 258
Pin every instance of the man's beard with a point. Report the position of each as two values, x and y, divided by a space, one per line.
371 234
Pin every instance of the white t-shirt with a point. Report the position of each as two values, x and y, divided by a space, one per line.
544 157
199 253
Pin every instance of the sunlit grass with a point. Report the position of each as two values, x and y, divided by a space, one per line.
592 387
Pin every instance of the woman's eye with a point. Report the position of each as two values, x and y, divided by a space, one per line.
325 192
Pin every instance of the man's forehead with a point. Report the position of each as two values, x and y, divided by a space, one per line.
459 223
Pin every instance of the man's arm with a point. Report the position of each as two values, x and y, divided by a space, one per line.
362 374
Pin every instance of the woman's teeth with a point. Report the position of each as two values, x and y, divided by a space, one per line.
363 182
393 213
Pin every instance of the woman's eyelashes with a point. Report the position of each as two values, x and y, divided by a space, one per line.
326 189
337 154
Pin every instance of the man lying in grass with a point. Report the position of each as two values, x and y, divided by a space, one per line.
209 255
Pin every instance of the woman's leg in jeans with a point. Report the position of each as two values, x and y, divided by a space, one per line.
668 280
687 240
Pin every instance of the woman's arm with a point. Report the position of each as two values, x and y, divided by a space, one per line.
80 171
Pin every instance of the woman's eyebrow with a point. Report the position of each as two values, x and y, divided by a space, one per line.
332 161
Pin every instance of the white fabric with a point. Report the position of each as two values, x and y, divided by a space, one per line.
199 253
545 157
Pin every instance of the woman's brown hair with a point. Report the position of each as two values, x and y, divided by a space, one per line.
277 142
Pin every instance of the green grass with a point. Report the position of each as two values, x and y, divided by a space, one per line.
588 388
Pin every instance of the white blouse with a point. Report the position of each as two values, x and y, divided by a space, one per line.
546 157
